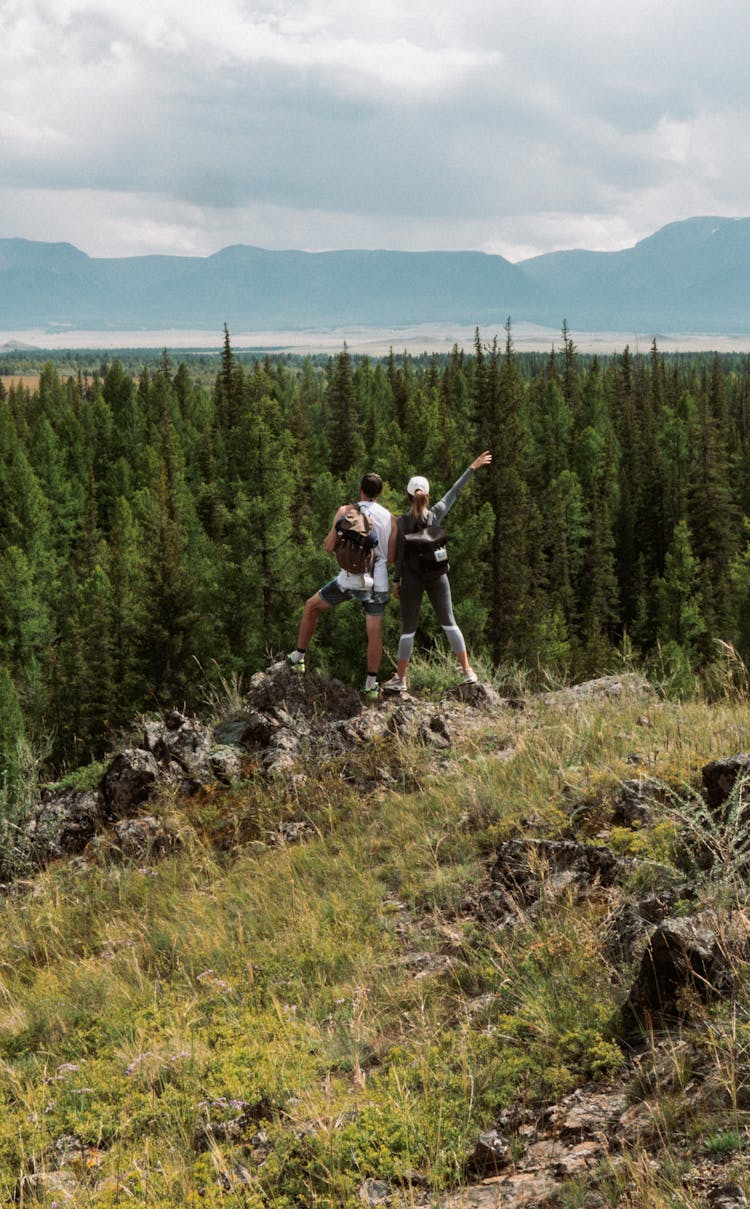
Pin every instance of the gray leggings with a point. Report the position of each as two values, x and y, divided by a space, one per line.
439 593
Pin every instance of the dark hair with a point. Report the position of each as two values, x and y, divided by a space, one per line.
371 485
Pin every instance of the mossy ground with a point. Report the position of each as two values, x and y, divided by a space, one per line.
340 995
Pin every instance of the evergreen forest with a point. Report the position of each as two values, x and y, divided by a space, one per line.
159 531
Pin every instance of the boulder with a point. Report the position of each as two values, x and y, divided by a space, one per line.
129 781
480 696
241 1126
636 801
727 1196
61 824
603 688
720 777
684 958
280 686
434 732
282 753
588 1112
181 747
142 840
375 1192
526 867
225 764
175 737
626 929
491 1153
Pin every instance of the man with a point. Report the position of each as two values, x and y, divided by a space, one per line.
373 598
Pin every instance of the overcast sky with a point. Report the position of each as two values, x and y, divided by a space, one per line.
509 126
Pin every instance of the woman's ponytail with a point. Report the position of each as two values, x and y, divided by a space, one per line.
420 503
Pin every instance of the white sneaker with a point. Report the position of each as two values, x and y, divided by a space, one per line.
470 676
394 685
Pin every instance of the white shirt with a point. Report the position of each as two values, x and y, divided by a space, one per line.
381 523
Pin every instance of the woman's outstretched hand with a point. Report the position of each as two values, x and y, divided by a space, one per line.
484 459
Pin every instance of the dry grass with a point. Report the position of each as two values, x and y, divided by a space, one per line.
340 990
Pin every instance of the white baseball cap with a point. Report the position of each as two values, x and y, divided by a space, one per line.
417 482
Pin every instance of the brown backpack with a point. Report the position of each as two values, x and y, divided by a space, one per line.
356 541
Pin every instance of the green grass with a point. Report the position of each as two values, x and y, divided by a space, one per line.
341 993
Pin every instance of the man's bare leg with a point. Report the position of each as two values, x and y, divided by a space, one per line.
314 606
374 624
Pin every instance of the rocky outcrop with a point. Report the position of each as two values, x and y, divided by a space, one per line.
727 1196
628 927
637 801
610 688
688 961
290 725
129 781
61 824
721 776
528 1166
526 1158
527 871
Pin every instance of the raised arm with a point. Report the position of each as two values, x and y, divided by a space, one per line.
446 503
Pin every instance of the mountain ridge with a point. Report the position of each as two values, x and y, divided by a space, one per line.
690 275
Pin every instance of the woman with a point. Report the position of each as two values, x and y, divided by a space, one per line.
421 566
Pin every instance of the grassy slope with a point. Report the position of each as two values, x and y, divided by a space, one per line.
339 993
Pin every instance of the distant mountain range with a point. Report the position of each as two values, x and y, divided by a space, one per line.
691 276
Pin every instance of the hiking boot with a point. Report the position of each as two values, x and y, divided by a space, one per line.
470 676
296 661
395 685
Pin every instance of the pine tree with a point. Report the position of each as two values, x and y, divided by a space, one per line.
344 434
12 732
599 605
679 606
501 428
713 515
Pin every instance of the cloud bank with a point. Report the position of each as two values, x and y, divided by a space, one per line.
143 126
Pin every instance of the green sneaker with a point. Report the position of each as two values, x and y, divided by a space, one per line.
371 695
296 664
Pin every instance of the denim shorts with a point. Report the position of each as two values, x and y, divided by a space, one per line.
373 603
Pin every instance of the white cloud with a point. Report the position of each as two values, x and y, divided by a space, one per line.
156 125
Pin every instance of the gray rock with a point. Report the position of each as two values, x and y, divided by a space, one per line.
491 1153
282 753
230 732
129 781
62 824
602 688
435 732
588 1112
225 764
305 694
720 776
637 800
143 839
685 957
727 1196
293 831
627 929
176 737
522 867
480 696
375 1192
